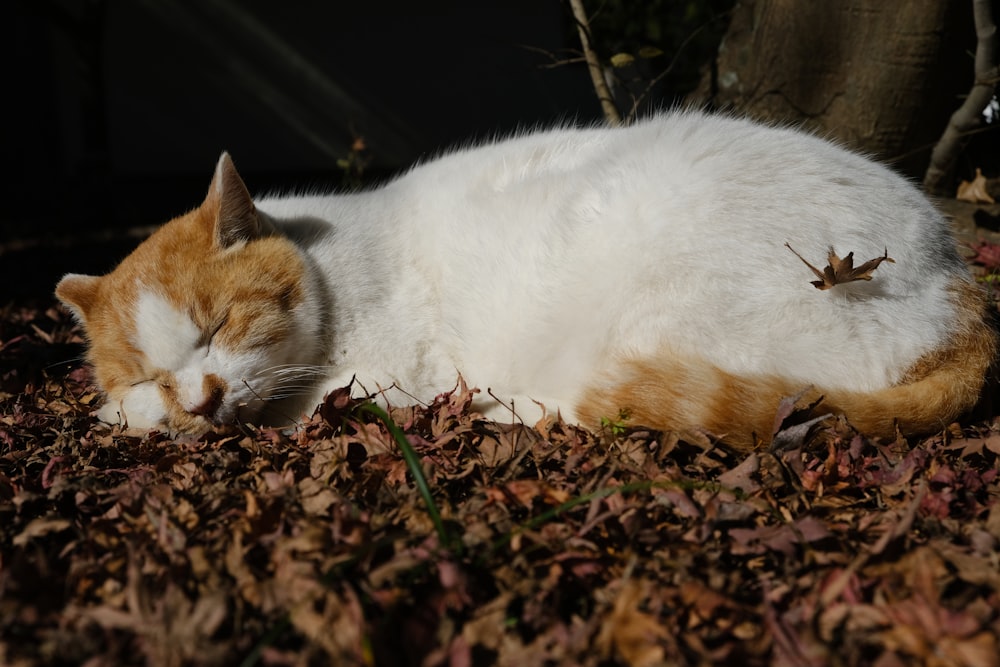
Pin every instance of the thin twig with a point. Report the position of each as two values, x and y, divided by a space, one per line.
572 56
636 101
611 113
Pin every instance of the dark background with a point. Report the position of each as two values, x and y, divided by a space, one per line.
120 108
116 110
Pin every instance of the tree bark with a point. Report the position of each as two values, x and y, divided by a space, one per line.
881 77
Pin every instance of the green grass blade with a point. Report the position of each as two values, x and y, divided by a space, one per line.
413 463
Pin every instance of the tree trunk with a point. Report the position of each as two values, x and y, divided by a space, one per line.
882 77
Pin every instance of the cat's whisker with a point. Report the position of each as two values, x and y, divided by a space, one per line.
290 380
290 374
285 392
293 381
67 362
288 369
281 397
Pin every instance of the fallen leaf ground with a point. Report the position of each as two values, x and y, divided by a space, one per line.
556 546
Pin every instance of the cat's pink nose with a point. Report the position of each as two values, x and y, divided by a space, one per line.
209 406
214 390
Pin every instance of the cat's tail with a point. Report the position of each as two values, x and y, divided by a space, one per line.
672 394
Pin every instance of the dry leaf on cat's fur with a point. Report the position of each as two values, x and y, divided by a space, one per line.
842 270
975 190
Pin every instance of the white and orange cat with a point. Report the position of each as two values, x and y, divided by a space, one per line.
600 272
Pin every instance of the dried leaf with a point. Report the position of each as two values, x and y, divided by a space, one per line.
743 476
622 60
839 271
38 528
975 190
987 254
783 538
630 633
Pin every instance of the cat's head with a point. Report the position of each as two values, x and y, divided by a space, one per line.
188 330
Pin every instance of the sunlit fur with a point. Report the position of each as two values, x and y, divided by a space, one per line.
598 272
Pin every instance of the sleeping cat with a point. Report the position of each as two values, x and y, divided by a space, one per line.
646 273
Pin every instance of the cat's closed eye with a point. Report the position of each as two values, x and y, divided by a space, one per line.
208 335
161 383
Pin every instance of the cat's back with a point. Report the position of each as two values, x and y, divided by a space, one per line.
704 167
684 189
680 228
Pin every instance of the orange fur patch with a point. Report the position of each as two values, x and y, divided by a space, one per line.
683 395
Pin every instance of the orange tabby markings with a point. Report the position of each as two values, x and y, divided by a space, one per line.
194 302
675 394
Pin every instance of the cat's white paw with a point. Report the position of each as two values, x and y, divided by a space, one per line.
110 413
141 408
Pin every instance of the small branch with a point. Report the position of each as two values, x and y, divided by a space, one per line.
594 65
636 101
967 118
555 60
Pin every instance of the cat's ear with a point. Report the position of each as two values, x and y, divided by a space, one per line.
78 293
230 206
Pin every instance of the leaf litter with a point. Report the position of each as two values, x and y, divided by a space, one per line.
555 545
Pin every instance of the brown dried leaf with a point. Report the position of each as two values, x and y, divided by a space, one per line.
839 271
783 538
40 527
975 190
743 476
631 633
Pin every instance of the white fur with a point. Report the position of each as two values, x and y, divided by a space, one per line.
531 265
165 335
141 407
172 342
